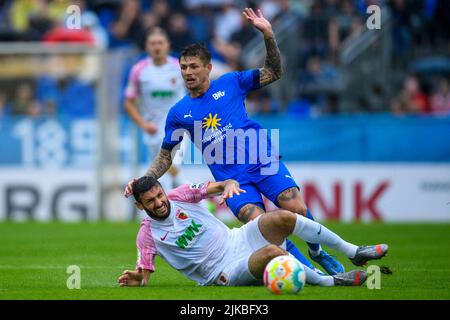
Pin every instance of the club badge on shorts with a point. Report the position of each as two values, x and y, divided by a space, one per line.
222 280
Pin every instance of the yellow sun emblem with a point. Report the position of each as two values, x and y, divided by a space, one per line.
211 122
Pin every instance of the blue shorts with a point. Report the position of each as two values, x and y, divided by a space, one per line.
256 184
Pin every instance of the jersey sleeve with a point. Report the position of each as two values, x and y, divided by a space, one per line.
172 137
146 247
132 88
191 193
247 80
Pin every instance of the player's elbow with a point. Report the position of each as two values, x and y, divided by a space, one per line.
129 105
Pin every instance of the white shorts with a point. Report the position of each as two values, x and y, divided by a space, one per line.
243 242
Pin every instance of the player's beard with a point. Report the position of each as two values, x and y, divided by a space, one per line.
152 215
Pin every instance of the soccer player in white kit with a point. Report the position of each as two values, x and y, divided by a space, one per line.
190 239
154 85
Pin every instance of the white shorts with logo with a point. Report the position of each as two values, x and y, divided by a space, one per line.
243 242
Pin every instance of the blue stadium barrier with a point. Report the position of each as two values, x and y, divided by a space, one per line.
374 138
68 141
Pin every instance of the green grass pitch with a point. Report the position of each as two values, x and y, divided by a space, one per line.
34 258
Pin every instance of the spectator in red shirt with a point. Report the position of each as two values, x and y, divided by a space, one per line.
411 99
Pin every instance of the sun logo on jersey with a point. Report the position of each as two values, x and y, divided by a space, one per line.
211 122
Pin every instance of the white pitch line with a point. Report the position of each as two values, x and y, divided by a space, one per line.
60 267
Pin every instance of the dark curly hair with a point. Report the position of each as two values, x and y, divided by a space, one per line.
142 185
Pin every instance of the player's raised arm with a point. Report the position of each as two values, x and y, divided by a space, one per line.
272 69
160 165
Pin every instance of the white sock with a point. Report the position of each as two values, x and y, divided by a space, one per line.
313 277
314 232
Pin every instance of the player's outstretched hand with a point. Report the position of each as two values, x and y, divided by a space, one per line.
129 188
258 21
130 278
231 188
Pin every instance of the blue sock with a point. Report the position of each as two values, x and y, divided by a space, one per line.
312 246
292 249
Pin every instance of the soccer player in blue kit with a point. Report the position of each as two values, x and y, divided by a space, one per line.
216 110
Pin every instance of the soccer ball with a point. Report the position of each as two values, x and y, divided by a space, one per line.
284 274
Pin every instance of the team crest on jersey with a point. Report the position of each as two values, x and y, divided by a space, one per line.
173 80
181 215
211 122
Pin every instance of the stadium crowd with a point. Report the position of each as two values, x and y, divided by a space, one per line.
323 27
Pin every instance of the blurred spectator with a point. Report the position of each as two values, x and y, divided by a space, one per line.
356 28
180 35
286 12
201 21
238 40
227 21
440 101
244 34
318 72
91 31
401 28
127 28
270 9
91 22
5 108
161 11
324 25
24 102
76 98
344 19
47 93
411 99
318 35
32 18
63 34
261 103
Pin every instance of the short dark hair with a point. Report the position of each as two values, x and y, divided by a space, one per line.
142 185
197 50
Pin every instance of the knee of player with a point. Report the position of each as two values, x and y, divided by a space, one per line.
273 251
301 209
284 219
249 212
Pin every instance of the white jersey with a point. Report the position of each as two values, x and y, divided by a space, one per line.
197 244
157 88
190 240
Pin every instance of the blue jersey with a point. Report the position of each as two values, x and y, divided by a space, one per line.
217 114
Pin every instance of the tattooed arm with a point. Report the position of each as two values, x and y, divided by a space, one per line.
161 164
272 70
